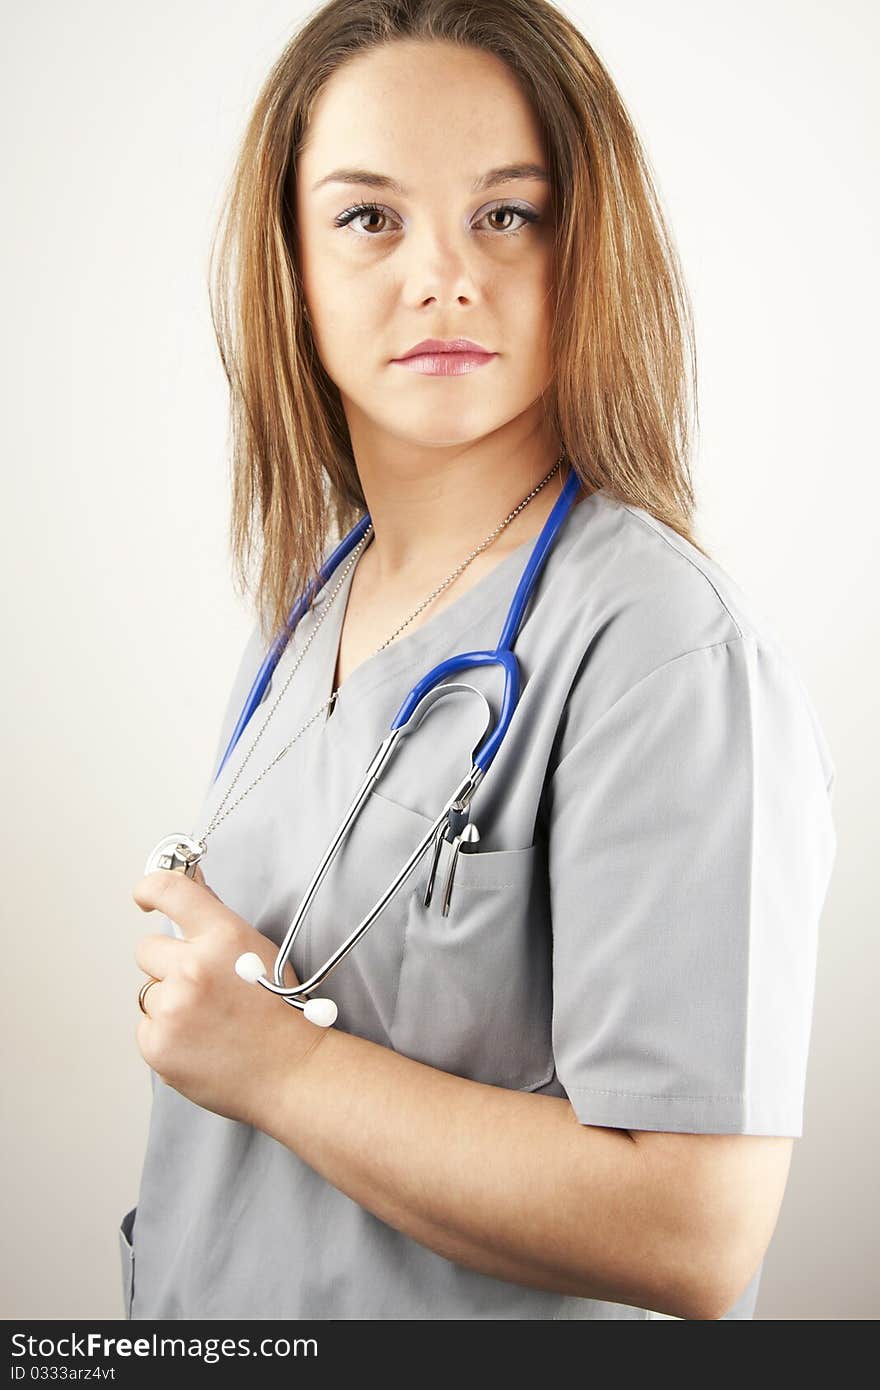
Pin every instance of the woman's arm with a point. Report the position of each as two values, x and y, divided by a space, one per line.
511 1183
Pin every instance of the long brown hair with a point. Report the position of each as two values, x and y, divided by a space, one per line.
623 396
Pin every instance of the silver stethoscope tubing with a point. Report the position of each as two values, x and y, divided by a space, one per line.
417 704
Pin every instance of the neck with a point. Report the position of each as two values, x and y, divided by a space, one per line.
430 512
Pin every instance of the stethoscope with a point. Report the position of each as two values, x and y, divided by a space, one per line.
452 824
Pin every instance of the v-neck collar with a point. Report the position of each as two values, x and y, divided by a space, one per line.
409 647
417 651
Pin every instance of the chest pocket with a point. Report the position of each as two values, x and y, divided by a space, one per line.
474 991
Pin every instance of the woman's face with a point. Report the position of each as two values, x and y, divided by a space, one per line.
439 257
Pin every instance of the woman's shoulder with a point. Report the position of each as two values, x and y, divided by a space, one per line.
660 591
640 598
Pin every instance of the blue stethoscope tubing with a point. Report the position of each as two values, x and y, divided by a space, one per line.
502 655
453 817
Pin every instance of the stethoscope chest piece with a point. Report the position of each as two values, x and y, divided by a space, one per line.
180 853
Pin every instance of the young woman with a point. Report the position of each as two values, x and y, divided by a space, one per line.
566 1083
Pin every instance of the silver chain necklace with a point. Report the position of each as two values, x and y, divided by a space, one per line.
183 852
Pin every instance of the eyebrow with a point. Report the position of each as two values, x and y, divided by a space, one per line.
505 173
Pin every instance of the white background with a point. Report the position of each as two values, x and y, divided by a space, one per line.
122 629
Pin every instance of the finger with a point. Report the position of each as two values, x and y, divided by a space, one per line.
156 955
148 998
200 878
193 906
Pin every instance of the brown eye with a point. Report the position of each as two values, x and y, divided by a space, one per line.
526 215
371 210
502 212
374 212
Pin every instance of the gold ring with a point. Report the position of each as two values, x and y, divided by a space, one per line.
142 993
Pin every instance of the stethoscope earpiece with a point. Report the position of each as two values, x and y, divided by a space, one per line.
250 967
322 1012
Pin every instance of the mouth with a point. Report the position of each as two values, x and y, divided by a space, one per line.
445 363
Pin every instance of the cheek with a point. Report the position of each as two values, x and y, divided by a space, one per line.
325 324
340 314
529 326
523 289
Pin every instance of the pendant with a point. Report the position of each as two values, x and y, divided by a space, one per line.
180 853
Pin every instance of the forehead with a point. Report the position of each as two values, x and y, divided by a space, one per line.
418 112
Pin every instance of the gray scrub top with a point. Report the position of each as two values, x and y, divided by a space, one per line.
636 931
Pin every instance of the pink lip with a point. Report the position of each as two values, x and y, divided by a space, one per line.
433 346
445 363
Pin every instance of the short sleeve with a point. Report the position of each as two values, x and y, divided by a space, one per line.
690 848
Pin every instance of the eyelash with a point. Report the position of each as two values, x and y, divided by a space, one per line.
350 214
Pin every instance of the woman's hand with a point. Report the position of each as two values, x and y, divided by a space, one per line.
218 1040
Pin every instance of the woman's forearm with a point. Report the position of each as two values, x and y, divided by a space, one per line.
505 1182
